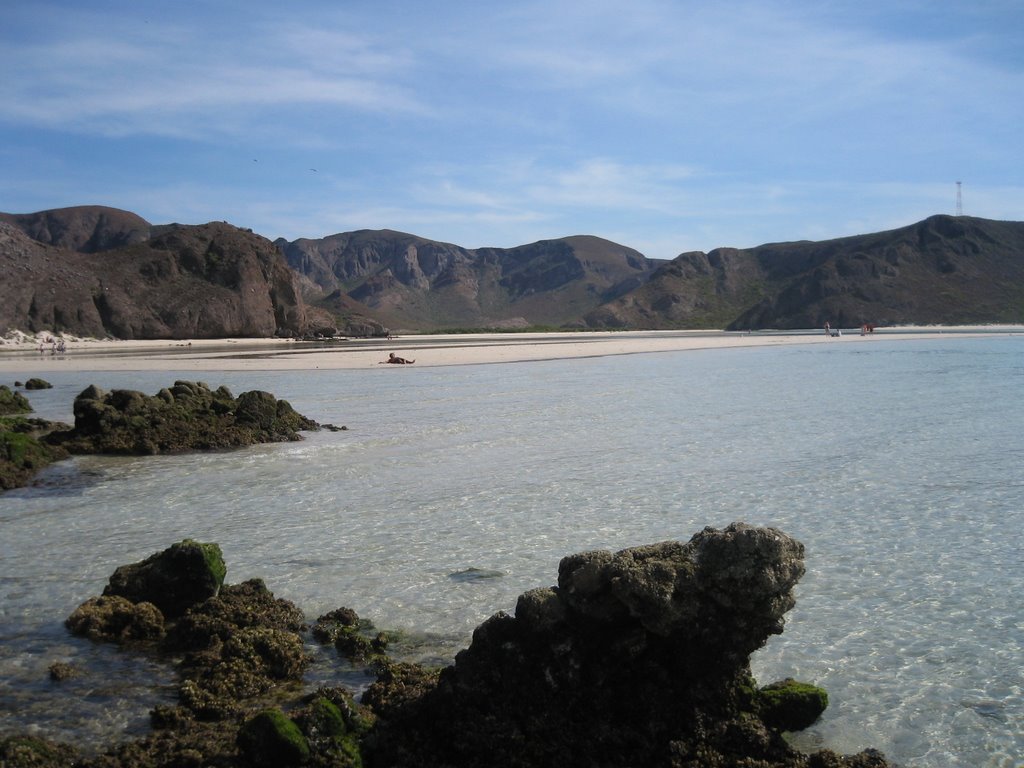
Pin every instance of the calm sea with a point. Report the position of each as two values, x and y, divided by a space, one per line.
897 463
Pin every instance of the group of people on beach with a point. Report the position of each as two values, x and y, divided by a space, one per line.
865 329
56 347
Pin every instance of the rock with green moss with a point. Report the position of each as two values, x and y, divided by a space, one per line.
188 416
272 740
789 705
13 402
183 575
37 383
24 751
22 454
332 728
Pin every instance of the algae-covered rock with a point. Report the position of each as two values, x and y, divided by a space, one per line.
332 727
174 580
236 606
23 455
37 383
24 751
116 620
788 705
13 402
187 416
272 740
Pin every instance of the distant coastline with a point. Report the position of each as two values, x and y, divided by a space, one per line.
20 352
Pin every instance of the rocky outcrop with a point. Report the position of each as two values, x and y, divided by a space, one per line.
12 402
635 658
239 648
22 453
187 416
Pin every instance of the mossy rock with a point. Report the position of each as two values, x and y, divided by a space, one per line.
333 725
272 740
22 456
13 402
33 752
36 383
188 416
789 705
183 575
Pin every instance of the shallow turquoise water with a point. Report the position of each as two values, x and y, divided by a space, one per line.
897 463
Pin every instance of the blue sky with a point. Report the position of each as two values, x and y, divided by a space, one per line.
665 126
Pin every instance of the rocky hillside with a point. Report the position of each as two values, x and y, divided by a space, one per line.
100 271
944 270
206 281
412 283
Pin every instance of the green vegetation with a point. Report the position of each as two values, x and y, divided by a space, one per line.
13 402
22 455
789 705
271 739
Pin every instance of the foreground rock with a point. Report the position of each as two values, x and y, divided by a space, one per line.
239 651
187 416
639 658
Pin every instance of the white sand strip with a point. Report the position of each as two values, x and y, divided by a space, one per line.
426 350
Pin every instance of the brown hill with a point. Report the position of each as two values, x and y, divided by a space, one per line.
944 270
85 228
207 281
414 283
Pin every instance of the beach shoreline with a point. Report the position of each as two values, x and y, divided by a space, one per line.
22 353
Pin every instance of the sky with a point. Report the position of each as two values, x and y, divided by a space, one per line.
666 126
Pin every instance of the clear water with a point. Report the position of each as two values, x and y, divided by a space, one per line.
897 464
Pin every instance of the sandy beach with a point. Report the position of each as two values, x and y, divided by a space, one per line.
20 354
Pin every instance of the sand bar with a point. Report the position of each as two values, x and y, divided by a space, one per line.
23 356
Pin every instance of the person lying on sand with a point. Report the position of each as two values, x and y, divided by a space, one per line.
393 358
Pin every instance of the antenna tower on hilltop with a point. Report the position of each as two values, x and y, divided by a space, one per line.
959 201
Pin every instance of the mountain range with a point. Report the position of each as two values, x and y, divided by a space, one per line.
99 271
